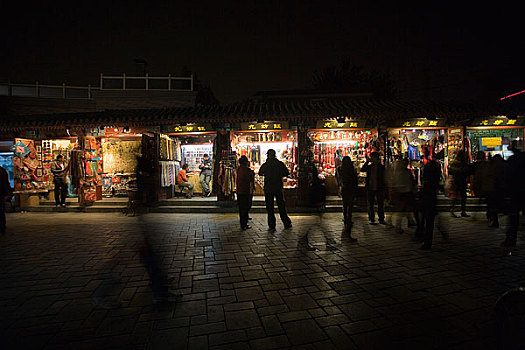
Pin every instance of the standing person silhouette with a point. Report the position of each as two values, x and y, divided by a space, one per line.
431 178
244 184
349 182
375 187
273 171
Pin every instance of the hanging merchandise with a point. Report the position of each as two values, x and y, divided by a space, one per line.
255 145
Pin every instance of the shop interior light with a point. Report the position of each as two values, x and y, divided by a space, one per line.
125 129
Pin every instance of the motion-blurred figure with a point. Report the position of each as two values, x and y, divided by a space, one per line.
459 170
496 188
349 188
375 187
517 194
402 189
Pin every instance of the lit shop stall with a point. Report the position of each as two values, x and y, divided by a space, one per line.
410 138
120 148
32 160
256 138
351 137
494 136
184 144
6 160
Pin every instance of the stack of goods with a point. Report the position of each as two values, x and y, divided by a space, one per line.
355 144
169 149
27 175
168 173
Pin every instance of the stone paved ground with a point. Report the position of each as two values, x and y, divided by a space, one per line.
73 280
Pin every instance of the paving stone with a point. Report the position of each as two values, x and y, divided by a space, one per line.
242 319
267 289
303 332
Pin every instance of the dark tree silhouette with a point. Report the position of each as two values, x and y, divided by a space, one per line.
205 95
348 78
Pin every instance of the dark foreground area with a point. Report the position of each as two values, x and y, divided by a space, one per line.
84 281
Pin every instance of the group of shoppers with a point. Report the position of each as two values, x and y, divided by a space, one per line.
273 171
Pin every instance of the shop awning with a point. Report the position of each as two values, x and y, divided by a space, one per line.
381 111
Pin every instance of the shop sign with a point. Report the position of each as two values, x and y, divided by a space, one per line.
186 128
422 123
265 126
491 142
499 122
334 124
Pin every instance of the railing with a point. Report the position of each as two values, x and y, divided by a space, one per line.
46 91
122 82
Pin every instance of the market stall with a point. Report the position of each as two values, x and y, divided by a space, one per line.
351 137
253 140
494 136
408 139
184 144
121 147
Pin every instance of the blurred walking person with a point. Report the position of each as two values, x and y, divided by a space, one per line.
459 170
348 177
273 171
516 191
402 190
244 183
495 187
375 187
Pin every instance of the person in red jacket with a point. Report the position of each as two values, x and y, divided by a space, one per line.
244 184
182 181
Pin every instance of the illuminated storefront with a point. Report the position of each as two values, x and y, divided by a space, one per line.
184 144
253 140
408 139
352 137
495 136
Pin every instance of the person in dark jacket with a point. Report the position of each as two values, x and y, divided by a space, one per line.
375 187
6 192
516 191
428 195
273 171
244 185
348 177
205 175
59 171
460 171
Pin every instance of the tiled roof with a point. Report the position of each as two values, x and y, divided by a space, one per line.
379 110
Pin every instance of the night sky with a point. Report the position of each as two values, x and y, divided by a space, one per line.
444 51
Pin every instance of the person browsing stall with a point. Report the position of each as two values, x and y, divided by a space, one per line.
205 176
273 171
182 181
59 171
244 183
